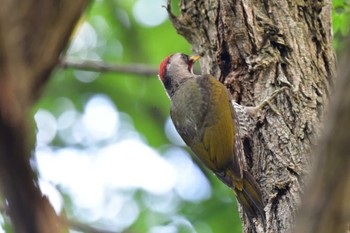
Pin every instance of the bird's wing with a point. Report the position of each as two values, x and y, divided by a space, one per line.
214 144
204 121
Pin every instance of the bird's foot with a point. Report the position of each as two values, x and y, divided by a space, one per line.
254 110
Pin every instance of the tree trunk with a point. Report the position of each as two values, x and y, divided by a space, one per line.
32 35
255 48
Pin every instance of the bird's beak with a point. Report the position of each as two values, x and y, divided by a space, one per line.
194 58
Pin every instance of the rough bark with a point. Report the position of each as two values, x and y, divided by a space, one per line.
32 35
256 47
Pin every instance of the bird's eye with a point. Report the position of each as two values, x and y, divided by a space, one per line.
185 58
187 61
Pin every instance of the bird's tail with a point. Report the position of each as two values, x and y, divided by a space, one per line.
249 196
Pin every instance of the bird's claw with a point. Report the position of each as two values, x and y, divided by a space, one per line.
253 110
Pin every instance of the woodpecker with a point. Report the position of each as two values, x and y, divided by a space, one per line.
203 115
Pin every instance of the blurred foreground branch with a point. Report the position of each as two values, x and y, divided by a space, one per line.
138 69
326 204
33 33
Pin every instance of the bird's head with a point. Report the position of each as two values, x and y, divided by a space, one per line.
175 69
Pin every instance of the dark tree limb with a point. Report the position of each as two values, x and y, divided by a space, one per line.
137 69
32 35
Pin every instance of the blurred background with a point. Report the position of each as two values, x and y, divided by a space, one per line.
107 154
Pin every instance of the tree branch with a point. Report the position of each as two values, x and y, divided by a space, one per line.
26 62
138 69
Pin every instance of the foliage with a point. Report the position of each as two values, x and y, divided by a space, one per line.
111 33
341 21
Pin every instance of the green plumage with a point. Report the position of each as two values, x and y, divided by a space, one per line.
203 114
204 117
